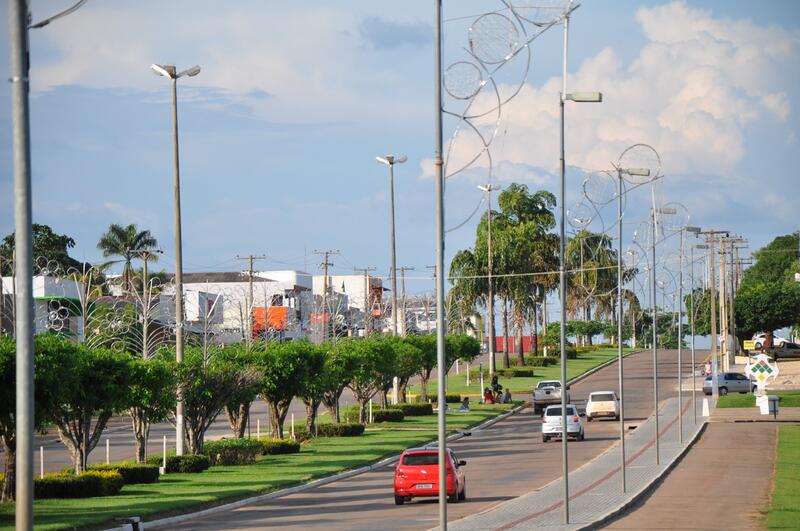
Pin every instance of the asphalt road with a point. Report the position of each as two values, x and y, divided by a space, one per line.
504 461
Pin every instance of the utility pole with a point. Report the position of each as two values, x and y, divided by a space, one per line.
367 307
427 309
713 300
250 300
403 295
325 264
488 188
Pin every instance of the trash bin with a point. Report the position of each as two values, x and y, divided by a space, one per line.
773 405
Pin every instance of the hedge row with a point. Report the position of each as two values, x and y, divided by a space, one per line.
339 429
278 446
187 464
132 473
448 398
228 452
388 415
511 372
414 409
67 485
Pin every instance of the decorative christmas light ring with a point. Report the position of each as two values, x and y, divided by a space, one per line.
463 80
493 38
539 12
580 215
640 156
600 188
673 217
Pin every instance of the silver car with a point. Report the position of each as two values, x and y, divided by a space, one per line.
551 423
730 382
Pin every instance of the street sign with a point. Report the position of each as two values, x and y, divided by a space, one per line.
749 344
761 369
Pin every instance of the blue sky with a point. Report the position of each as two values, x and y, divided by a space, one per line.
280 130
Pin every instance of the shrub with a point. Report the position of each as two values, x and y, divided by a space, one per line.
387 415
186 464
448 398
338 429
227 452
414 410
541 361
511 372
68 485
278 446
132 473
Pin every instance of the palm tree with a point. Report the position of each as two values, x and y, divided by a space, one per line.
127 243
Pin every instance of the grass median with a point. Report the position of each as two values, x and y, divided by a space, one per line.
585 362
180 493
784 510
787 399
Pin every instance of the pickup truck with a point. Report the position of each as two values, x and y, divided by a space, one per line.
547 393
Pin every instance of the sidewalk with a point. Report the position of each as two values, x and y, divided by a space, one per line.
595 490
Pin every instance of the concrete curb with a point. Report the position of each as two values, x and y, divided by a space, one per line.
648 489
306 486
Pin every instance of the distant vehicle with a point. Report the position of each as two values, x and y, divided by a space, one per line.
602 404
788 350
417 475
547 392
777 341
729 382
551 423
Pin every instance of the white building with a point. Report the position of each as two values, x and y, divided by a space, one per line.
56 304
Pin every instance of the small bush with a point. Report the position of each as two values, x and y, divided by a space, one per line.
278 446
338 429
512 372
132 473
415 410
67 485
387 415
228 452
448 398
541 361
185 464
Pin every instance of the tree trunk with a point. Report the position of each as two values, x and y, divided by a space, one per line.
79 437
520 350
384 397
506 361
588 318
362 411
9 482
238 419
311 415
424 376
278 418
141 432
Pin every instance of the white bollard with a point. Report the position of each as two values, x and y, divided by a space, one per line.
293 426
395 391
370 411
164 453
108 452
41 461
705 407
258 429
457 367
468 382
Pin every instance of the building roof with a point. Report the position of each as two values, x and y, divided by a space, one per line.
220 276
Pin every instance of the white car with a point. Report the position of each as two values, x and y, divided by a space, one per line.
777 341
551 423
602 404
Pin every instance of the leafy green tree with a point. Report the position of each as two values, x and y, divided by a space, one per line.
427 345
319 379
127 243
239 357
339 368
92 384
408 360
152 398
374 361
47 245
769 298
8 404
284 369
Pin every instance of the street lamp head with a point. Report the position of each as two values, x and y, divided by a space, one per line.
695 230
164 70
637 172
389 160
701 246
191 72
585 97
667 211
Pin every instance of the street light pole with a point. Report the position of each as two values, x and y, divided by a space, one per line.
391 160
169 71
490 304
438 163
695 231
23 264
655 326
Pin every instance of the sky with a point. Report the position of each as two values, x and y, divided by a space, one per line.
279 131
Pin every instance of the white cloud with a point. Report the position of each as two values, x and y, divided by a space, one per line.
691 92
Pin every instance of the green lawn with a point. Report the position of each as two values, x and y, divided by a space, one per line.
177 493
784 510
787 399
585 362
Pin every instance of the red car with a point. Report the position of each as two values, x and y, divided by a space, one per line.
417 475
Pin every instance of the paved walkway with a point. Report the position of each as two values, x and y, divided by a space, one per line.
722 483
595 488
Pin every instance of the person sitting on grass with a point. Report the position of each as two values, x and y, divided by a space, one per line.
507 396
488 397
464 404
